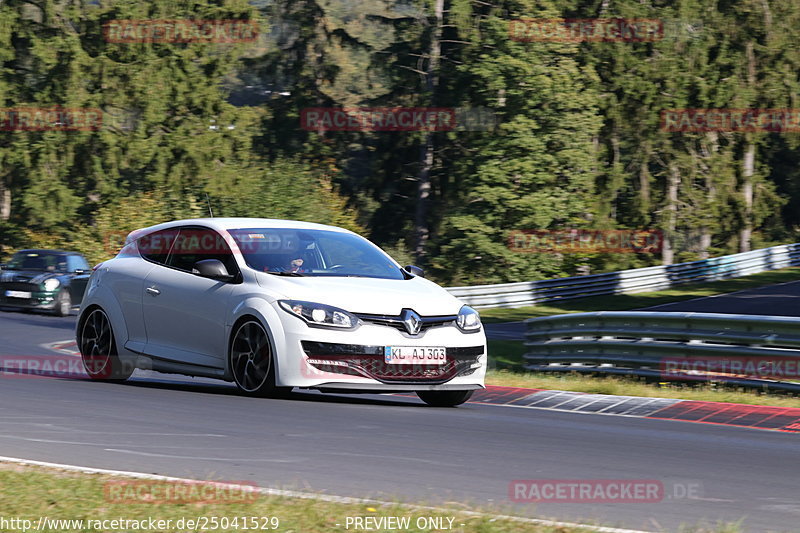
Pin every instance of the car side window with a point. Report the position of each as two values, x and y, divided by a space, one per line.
196 244
76 262
155 246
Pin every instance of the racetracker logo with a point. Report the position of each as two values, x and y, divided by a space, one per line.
50 119
180 31
585 30
699 368
159 492
397 119
41 366
582 241
731 120
586 490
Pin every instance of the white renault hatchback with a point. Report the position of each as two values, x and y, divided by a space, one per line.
277 304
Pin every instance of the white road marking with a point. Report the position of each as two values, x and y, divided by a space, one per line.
170 456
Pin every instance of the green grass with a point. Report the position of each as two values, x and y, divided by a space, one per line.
29 492
627 302
506 356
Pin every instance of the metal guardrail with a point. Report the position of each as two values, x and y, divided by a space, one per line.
753 351
629 281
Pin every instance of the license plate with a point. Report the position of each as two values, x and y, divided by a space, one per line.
415 355
18 294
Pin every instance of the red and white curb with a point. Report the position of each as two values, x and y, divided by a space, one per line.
69 347
785 419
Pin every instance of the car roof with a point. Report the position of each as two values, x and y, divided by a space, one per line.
45 251
241 223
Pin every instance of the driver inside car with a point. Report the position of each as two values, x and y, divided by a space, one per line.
293 265
296 265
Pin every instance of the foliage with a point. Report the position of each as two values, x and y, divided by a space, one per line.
575 139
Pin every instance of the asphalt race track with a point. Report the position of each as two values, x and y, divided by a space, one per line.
390 446
778 300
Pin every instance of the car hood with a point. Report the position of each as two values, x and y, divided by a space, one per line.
27 276
366 295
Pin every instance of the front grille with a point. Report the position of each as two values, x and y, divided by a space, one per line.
368 361
396 322
18 286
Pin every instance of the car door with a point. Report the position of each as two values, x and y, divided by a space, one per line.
185 314
127 281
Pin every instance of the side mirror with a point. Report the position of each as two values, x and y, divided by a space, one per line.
414 271
213 269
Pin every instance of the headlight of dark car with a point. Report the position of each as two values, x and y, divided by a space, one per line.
51 284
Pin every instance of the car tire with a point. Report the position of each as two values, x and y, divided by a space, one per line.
99 349
63 303
252 361
444 398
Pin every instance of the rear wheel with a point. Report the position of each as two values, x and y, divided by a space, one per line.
444 398
63 303
252 361
99 351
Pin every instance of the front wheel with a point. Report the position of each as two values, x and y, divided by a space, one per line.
99 351
252 361
63 303
444 398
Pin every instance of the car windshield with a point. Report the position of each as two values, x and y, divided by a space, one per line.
42 261
302 252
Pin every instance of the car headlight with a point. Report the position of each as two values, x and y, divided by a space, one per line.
320 315
51 284
468 320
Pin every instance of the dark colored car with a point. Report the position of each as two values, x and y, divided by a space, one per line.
44 279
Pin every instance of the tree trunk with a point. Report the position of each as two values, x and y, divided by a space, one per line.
423 197
705 242
711 193
421 223
5 201
668 251
748 165
748 169
644 182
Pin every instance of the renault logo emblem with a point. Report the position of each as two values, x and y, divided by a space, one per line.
411 320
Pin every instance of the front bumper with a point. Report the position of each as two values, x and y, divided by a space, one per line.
39 299
369 362
354 359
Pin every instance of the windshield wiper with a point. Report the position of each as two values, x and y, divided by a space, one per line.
286 273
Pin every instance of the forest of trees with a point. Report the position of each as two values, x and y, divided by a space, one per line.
574 139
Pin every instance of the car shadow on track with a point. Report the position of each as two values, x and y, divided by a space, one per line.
226 389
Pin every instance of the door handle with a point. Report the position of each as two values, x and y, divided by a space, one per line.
153 291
